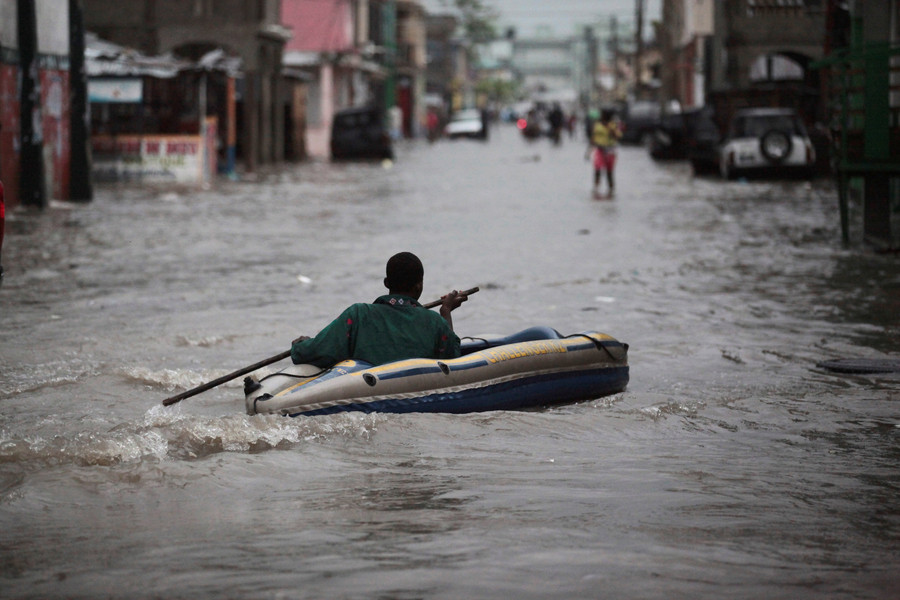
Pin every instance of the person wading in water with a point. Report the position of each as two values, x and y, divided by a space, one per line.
605 135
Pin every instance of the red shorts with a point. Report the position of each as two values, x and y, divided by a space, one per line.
604 158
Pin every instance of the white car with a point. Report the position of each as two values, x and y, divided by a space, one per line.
772 140
465 123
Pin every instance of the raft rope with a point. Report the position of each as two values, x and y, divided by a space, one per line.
600 345
597 343
295 376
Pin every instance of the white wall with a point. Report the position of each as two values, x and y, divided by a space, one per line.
52 30
9 36
53 27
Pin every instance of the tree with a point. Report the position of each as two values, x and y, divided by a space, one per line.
498 90
478 20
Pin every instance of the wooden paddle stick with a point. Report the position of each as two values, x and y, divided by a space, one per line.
263 363
224 378
462 293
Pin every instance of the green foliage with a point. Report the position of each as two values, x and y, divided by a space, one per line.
498 90
478 20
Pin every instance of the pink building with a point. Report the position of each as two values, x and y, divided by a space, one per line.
331 44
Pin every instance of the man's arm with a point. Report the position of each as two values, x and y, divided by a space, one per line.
330 346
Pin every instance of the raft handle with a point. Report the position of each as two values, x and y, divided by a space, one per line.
262 397
444 367
250 385
619 353
370 379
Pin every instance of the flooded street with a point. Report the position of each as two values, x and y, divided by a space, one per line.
731 467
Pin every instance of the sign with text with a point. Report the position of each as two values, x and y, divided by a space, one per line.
157 158
128 91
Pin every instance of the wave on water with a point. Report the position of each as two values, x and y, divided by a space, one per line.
168 434
204 342
28 378
172 379
672 407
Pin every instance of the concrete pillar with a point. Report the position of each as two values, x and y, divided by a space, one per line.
80 182
251 122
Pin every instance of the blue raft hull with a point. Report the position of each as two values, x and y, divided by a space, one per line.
534 368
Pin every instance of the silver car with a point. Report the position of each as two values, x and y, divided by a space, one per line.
466 123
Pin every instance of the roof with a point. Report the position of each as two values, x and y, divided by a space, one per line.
103 58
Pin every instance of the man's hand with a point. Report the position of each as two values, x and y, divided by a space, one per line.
449 303
300 339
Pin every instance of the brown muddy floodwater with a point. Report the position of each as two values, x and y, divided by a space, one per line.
731 467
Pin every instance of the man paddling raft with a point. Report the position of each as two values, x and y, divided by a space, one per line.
394 327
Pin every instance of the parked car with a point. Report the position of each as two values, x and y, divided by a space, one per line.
466 123
691 135
702 141
763 140
639 121
668 140
360 133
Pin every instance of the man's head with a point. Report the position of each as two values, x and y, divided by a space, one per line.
404 275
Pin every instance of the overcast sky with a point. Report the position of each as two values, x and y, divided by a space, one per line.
562 17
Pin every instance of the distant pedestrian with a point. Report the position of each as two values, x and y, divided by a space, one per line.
395 118
557 120
432 124
589 119
605 135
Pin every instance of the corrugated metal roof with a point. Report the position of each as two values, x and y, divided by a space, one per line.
106 59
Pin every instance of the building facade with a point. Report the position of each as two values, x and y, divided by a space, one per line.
684 45
410 66
35 102
332 46
756 41
447 64
249 29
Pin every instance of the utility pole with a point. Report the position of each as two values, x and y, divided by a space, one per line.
614 27
32 187
638 45
389 37
589 91
80 184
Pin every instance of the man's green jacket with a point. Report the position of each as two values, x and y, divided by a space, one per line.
394 327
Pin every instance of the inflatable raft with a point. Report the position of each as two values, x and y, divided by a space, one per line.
533 368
